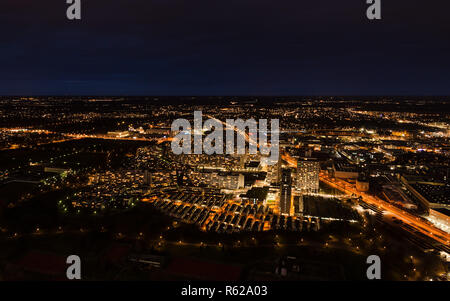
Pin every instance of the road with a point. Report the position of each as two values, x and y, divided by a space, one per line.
71 136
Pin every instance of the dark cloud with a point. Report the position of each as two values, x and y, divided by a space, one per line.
218 47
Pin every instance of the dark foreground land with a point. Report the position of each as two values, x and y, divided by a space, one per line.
110 245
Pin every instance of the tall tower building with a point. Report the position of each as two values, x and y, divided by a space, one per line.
308 170
286 191
278 168
148 178
180 176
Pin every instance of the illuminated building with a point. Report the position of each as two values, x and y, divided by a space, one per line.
219 180
148 178
286 191
308 170
343 170
119 134
362 184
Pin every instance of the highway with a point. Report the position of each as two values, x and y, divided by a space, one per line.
82 136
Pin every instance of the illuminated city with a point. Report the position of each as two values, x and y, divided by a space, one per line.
354 178
214 149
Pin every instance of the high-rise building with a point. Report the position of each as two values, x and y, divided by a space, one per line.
180 176
308 170
148 178
279 167
286 191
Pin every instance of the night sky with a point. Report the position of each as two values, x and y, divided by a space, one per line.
224 47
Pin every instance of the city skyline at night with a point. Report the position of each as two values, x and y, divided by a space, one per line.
216 148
